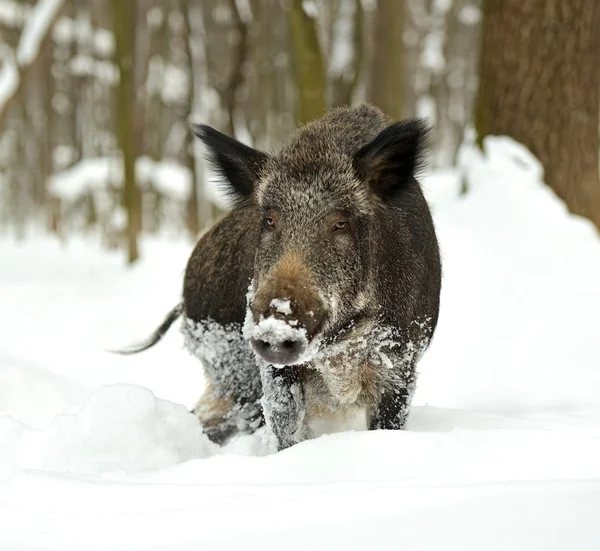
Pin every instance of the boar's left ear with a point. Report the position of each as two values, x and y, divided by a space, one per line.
393 158
238 164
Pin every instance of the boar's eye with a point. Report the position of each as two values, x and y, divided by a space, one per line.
269 223
339 226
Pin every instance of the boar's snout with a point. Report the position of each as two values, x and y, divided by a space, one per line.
280 352
288 311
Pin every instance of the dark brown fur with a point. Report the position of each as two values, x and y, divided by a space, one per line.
368 295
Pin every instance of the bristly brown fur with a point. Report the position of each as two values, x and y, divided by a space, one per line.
369 294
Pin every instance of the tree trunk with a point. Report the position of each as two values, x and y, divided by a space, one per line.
124 17
193 206
344 83
386 77
308 64
540 83
236 76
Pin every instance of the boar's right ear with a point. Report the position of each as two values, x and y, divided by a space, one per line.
394 156
238 165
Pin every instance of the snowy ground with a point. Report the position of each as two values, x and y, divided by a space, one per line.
502 449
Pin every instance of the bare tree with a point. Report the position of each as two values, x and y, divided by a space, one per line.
386 76
308 62
193 209
124 18
350 20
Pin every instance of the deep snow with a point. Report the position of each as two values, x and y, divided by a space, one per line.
502 449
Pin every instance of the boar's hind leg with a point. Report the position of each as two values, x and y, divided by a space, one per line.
214 413
283 404
222 416
391 413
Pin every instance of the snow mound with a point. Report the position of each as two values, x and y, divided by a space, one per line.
119 428
518 328
33 394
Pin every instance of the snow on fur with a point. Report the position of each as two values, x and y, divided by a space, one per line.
282 306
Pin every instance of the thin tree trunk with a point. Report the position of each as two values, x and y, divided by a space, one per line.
124 18
386 79
193 207
539 84
236 76
47 143
345 82
308 64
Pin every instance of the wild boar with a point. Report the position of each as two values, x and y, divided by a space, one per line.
327 269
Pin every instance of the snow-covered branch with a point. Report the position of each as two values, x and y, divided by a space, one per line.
15 64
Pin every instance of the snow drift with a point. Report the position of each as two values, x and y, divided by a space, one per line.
502 449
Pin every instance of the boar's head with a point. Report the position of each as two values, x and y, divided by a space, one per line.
318 203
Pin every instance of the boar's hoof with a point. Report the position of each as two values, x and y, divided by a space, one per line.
284 352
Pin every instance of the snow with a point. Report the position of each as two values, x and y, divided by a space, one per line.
282 306
84 442
342 49
530 272
502 448
97 174
85 65
276 330
310 9
38 23
9 75
10 12
469 14
34 31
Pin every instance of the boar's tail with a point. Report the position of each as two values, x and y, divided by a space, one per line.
158 334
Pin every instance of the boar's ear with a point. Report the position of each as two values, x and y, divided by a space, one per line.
238 165
393 158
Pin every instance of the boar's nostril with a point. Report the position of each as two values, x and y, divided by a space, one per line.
285 352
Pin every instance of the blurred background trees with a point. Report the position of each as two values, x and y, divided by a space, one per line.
97 96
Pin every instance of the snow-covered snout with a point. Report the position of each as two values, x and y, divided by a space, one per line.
287 312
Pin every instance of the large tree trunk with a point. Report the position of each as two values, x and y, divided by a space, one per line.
124 17
386 77
308 63
540 84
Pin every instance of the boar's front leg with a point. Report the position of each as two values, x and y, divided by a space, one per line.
283 404
393 408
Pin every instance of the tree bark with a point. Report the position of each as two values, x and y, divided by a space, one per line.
308 64
540 84
386 77
124 18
